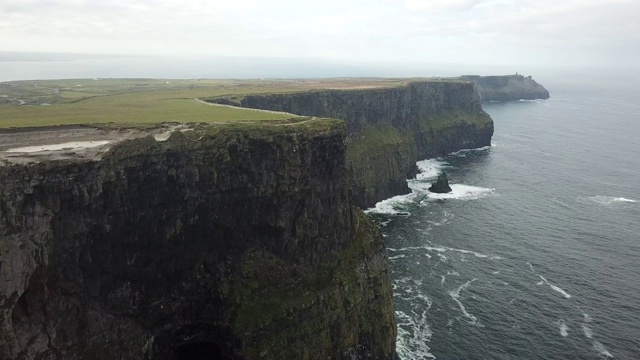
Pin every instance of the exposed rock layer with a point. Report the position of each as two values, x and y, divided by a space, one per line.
507 88
233 242
391 128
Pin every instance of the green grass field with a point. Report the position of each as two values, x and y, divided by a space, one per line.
140 102
122 101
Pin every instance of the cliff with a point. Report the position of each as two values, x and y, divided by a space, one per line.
507 88
225 241
391 128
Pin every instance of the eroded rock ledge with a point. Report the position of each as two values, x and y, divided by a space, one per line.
227 241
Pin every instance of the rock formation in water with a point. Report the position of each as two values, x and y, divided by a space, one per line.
226 242
441 186
390 129
507 88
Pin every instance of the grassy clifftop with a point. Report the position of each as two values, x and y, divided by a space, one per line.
148 101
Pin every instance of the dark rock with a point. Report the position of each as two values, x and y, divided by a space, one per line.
441 185
242 244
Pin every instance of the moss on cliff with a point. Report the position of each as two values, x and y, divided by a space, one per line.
338 302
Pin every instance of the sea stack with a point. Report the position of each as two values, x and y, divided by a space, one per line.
441 185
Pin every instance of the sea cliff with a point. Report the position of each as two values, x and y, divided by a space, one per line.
224 241
390 128
507 87
228 240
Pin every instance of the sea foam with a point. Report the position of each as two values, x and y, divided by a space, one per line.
564 293
455 295
430 168
413 333
393 206
609 200
463 152
564 329
597 346
463 192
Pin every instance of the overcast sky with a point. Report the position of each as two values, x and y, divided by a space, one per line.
528 32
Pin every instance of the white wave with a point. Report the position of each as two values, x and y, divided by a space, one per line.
441 279
560 202
609 200
411 248
442 257
538 283
463 151
397 257
454 273
476 254
425 299
564 293
393 205
597 346
413 334
588 333
63 146
441 249
429 168
530 100
564 329
463 192
496 272
455 295
530 266
587 317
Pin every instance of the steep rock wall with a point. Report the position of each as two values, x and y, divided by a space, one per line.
231 242
507 88
391 128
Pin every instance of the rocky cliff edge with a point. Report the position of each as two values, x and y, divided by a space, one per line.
507 87
230 241
391 128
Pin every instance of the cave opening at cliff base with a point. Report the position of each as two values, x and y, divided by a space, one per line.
201 350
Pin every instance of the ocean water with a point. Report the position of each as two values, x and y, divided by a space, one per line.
536 253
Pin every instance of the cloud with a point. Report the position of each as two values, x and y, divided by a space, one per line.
440 6
487 30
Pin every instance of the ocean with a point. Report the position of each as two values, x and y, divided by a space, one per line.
536 252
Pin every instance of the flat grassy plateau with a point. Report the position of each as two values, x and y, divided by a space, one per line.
144 102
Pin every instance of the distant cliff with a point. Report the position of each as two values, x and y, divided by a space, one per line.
390 128
224 242
507 88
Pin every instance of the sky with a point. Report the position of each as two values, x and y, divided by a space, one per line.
527 32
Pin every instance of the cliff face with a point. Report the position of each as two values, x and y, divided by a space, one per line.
232 242
391 128
507 88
